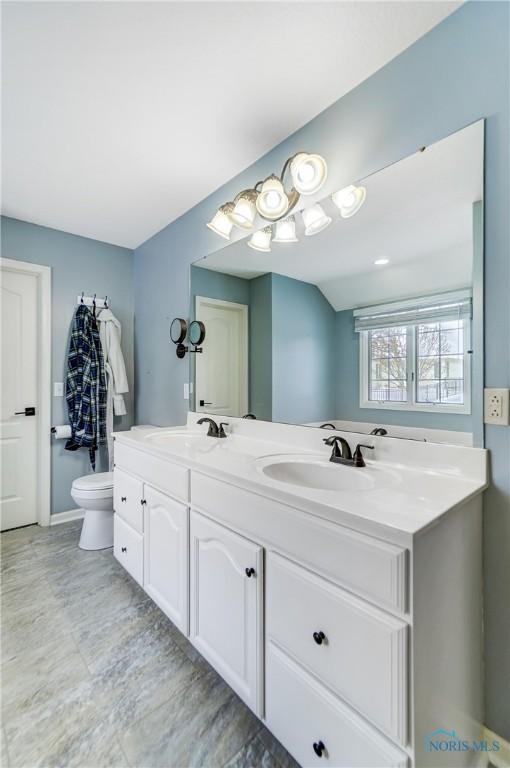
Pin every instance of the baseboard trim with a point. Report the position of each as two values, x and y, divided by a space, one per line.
66 517
499 759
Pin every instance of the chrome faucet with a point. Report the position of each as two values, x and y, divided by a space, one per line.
341 453
214 430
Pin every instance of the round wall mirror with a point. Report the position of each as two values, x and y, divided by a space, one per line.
196 332
178 330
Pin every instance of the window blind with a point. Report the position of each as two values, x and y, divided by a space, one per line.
456 305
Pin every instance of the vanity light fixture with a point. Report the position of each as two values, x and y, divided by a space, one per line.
261 240
308 173
270 197
221 222
315 219
349 200
244 210
272 201
381 262
286 231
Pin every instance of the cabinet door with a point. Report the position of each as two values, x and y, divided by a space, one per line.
226 588
128 498
166 555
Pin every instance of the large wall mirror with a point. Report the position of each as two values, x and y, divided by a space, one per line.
375 320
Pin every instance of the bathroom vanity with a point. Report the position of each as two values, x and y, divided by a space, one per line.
342 604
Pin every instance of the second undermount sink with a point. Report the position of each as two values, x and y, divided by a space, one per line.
320 474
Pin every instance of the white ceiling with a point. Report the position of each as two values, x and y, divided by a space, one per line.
417 214
120 116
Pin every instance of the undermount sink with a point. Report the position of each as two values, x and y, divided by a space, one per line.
324 475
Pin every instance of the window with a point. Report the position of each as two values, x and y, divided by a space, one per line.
416 365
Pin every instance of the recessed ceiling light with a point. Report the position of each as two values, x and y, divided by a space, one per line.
381 262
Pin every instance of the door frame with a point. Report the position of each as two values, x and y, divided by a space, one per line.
243 310
43 275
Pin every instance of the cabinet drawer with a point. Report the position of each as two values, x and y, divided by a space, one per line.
127 498
355 649
168 477
128 548
373 568
301 713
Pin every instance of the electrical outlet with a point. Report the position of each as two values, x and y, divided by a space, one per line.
496 406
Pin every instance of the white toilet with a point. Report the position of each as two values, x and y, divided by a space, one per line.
94 494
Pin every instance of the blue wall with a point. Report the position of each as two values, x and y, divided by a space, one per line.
454 75
218 285
77 264
347 393
304 352
260 353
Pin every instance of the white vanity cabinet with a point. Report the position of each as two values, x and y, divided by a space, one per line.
338 636
166 555
151 528
226 594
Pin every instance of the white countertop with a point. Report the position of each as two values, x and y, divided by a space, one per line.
416 483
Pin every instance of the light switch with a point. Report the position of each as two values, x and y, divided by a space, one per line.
58 389
186 390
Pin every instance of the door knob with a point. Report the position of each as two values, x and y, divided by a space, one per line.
319 637
27 412
250 572
203 402
318 748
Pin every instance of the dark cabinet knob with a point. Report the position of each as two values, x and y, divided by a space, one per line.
123 498
124 549
143 502
319 637
318 748
250 572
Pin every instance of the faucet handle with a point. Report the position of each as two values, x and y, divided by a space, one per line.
358 459
221 431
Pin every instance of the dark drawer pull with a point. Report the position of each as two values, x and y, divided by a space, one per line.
319 637
123 549
123 498
318 748
250 572
143 502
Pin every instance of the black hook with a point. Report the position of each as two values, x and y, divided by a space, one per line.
81 300
106 302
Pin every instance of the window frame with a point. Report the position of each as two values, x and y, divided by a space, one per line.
411 404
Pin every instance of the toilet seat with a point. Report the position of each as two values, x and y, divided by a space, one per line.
97 484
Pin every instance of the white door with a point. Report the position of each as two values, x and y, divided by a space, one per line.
226 589
19 391
166 555
221 379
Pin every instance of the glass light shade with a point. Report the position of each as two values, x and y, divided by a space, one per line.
286 231
315 219
244 211
308 173
261 240
272 201
221 223
349 200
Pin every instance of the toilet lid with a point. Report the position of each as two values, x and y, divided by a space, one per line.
94 482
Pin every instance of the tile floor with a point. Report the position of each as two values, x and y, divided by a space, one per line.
94 675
